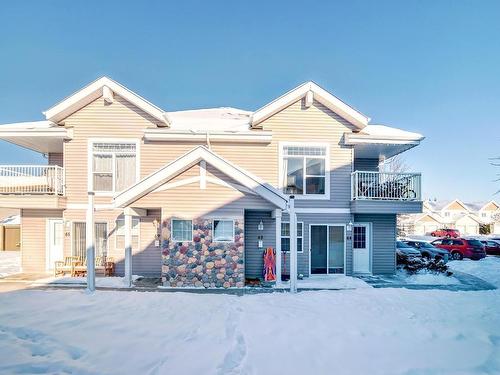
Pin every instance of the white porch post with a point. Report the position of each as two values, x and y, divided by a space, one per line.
293 245
128 249
277 216
89 238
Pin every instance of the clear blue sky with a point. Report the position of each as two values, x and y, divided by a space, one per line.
427 66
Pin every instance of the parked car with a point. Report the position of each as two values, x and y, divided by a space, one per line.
405 252
429 251
491 247
460 248
444 232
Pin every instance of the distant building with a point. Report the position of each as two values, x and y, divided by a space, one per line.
468 218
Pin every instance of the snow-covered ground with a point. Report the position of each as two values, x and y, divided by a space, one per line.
10 263
426 278
487 269
105 282
363 331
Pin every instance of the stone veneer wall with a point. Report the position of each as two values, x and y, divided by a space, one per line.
203 262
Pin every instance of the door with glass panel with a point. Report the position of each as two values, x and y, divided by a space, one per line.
54 242
327 249
361 248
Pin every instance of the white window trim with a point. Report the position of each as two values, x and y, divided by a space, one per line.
326 195
138 235
90 153
213 230
172 230
301 237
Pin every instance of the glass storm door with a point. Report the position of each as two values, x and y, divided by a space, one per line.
319 249
336 249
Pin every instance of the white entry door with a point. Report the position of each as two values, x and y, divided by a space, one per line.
361 248
54 242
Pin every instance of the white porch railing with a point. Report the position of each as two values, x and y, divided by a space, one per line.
386 186
31 179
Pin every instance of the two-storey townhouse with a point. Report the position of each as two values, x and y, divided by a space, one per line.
198 195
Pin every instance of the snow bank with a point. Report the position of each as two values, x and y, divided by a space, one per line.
10 263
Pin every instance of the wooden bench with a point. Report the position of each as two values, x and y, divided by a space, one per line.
104 266
67 265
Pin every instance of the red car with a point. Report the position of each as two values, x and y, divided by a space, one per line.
454 233
491 247
460 248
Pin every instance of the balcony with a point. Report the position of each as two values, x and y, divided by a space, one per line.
385 192
31 186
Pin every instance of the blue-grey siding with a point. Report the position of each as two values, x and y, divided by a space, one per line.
365 164
383 239
254 263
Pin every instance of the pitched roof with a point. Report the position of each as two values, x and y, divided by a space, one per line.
106 87
197 154
311 91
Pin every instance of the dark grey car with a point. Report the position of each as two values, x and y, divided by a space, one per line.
428 250
405 253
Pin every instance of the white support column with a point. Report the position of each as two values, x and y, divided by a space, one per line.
128 249
89 238
277 216
293 245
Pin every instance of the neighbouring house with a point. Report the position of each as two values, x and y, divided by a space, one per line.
199 194
468 218
10 231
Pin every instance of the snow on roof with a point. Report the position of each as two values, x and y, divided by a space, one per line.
387 131
216 119
11 220
30 125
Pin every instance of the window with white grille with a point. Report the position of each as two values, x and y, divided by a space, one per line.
114 166
304 170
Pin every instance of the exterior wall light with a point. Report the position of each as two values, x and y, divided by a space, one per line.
349 226
261 226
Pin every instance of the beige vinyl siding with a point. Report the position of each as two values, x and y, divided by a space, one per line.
294 124
146 259
98 120
56 158
191 201
33 238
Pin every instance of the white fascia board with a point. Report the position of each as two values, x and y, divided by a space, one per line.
156 179
357 139
95 90
240 137
321 95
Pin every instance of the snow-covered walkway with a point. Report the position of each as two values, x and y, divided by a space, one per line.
362 331
10 263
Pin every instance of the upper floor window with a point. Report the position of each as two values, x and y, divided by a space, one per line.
304 169
114 166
